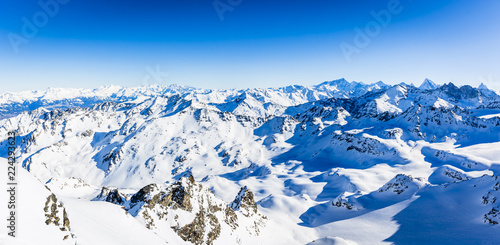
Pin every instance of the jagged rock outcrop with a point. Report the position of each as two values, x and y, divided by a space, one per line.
493 216
110 194
244 202
190 210
343 202
55 214
401 183
491 199
447 174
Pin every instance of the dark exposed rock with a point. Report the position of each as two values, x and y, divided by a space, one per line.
399 184
231 218
110 194
244 202
56 214
342 202
493 216
464 92
154 204
141 195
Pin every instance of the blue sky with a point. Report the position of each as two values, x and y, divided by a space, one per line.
256 43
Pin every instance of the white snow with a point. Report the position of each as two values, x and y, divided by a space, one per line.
335 163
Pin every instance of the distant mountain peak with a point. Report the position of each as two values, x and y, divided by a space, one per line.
342 81
463 92
483 87
486 91
428 84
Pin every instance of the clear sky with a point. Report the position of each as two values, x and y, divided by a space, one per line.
246 43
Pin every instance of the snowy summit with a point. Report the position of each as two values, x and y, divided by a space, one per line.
336 163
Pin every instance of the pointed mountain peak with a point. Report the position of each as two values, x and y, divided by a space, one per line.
483 87
380 84
486 91
428 85
450 85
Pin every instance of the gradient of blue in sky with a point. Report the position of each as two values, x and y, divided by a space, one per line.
258 43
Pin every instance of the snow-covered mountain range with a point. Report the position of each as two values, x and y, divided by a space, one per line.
336 163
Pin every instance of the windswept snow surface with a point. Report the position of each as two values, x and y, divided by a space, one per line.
336 163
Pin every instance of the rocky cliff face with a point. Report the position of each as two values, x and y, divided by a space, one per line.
192 211
56 214
110 194
491 200
400 184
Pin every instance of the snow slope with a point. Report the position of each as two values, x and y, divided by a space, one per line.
336 163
